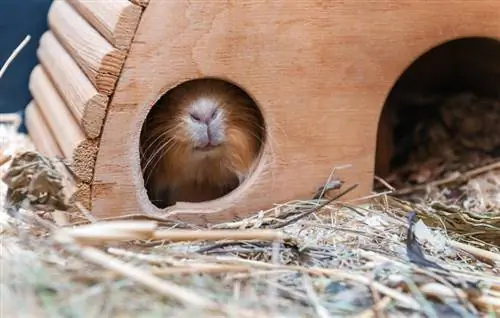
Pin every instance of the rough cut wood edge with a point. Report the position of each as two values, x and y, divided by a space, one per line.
40 133
81 152
84 159
81 96
116 20
82 195
99 60
142 3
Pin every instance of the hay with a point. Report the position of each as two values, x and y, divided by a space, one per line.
446 164
317 258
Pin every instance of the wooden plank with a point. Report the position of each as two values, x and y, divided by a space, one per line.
80 151
99 60
88 105
116 20
61 121
142 3
39 131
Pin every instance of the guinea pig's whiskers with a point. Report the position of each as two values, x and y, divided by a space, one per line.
253 134
158 137
159 140
158 152
155 158
147 154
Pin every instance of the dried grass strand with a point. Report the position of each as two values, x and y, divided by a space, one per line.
478 252
211 235
451 179
13 55
125 230
4 159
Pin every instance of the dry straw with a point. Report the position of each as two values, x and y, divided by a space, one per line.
13 55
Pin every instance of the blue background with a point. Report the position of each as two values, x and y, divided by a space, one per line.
19 18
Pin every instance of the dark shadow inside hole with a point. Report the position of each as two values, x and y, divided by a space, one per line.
199 142
442 115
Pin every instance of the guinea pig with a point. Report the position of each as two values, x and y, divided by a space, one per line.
199 142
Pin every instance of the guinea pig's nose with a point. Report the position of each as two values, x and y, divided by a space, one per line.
202 117
197 118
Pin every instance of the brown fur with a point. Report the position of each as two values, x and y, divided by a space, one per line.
177 172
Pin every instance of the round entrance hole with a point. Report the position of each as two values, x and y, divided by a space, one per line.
199 142
442 115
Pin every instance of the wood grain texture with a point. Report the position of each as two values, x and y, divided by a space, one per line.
142 3
319 70
60 119
116 20
88 106
80 151
99 60
39 131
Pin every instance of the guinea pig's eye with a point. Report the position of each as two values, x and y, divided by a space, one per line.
215 112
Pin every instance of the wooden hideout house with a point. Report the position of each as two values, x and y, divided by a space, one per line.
320 72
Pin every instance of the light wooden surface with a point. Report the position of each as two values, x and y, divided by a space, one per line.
142 3
80 151
60 119
39 131
99 60
88 106
116 20
320 71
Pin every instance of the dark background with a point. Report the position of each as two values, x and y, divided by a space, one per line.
19 18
